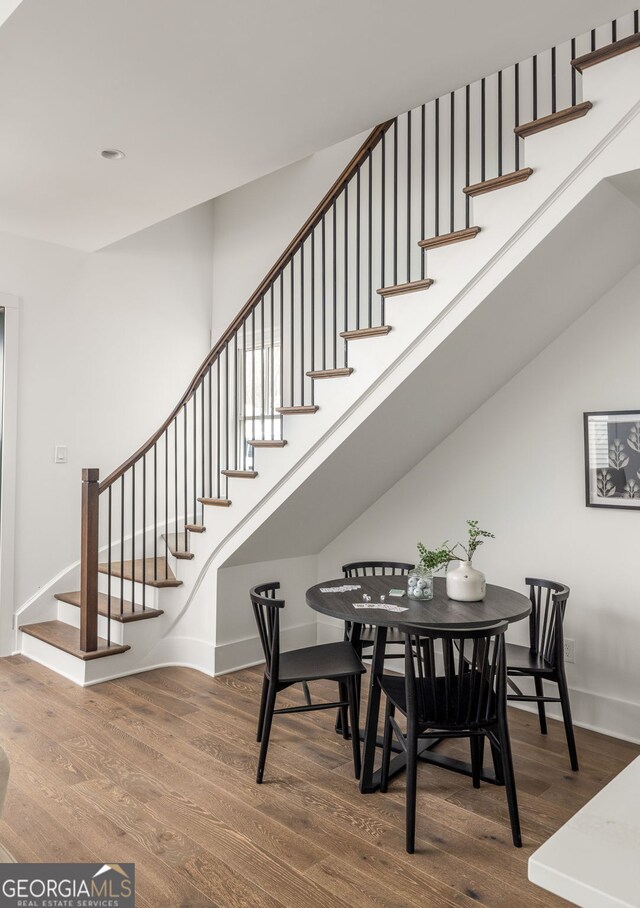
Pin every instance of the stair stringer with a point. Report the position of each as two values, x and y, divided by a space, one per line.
568 165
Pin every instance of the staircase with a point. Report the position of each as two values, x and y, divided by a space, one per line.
386 259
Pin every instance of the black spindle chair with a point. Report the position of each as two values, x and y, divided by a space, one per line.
368 631
330 661
543 659
468 700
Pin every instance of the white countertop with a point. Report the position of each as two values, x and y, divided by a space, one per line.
594 859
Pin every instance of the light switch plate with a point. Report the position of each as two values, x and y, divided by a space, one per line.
60 454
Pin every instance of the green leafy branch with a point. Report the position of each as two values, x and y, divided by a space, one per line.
435 559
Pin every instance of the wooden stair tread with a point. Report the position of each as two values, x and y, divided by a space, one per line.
67 638
409 287
554 119
446 239
240 474
267 443
359 333
196 527
606 53
501 182
330 373
127 615
177 547
215 502
138 570
286 411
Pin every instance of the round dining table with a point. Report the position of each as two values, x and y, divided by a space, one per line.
500 604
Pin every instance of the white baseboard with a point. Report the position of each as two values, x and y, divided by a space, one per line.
238 654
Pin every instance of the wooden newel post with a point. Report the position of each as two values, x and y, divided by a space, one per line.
89 562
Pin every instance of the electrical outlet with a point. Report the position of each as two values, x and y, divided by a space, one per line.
569 650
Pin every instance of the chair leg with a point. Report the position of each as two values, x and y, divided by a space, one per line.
509 780
355 724
497 762
266 730
568 724
386 746
263 703
541 713
343 712
412 785
477 758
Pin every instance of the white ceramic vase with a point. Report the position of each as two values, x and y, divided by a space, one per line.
465 584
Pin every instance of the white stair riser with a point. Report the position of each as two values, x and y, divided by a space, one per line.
70 614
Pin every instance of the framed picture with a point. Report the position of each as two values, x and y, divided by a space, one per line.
612 459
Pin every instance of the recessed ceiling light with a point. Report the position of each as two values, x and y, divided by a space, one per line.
112 154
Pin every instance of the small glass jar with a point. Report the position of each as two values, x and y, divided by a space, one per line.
420 584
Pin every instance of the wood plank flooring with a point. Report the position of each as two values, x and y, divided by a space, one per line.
159 769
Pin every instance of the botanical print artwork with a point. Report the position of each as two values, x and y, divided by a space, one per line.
613 459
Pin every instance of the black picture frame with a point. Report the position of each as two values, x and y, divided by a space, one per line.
612 459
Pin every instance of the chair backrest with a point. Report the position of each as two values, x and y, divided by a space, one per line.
470 690
376 568
548 604
266 609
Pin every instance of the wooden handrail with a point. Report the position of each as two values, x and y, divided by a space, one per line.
368 145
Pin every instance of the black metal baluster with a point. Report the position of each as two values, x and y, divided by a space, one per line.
241 383
534 80
236 376
408 200
574 88
291 325
262 369
500 123
122 544
553 81
227 404
302 344
483 130
636 21
109 507
195 468
218 413
155 512
516 77
358 217
370 242
210 451
593 39
345 276
313 319
383 217
175 482
133 532
423 194
614 31
395 201
144 531
467 149
452 162
166 492
334 324
253 382
436 194
203 490
185 469
323 307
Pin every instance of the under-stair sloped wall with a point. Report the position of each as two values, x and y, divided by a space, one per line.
569 163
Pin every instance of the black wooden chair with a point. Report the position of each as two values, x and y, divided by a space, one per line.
468 700
368 631
543 659
330 661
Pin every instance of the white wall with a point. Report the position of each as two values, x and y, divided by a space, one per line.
108 343
237 642
517 465
253 225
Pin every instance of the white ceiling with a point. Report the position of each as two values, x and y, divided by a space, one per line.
206 95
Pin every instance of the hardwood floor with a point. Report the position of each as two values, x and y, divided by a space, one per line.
159 769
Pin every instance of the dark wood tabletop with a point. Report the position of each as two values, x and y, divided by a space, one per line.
499 604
